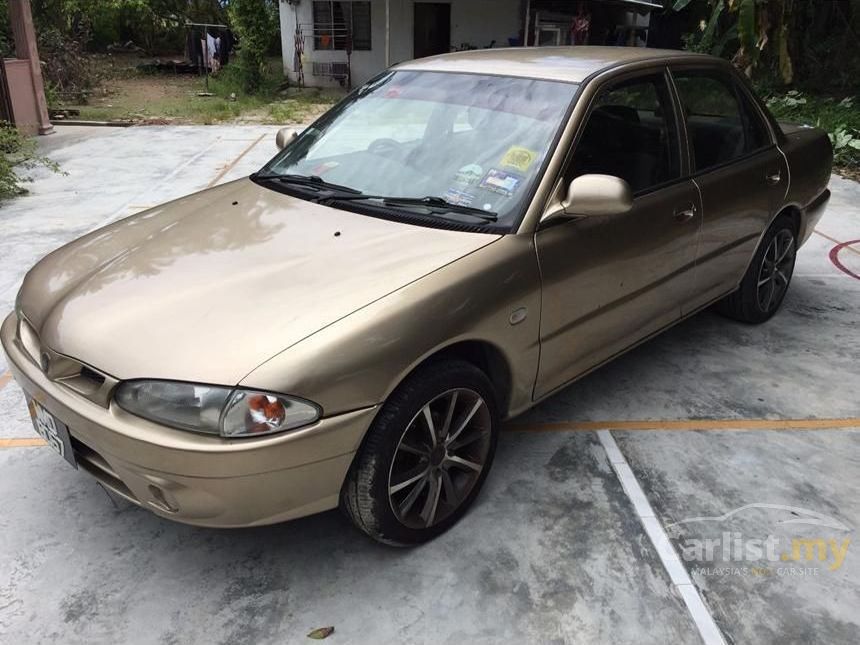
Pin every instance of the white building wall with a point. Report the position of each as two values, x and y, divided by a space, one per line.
477 22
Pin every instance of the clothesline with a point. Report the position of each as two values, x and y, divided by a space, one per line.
214 50
205 24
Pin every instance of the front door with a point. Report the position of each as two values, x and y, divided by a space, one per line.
432 31
610 281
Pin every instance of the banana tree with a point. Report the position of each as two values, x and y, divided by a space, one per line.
752 24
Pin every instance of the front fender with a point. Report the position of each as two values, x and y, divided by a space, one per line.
358 361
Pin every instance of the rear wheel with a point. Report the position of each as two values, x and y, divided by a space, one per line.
766 281
426 456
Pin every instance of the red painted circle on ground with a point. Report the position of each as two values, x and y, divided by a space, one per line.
834 257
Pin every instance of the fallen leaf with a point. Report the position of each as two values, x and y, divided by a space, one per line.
321 633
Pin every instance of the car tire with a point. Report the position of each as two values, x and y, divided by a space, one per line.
766 281
457 401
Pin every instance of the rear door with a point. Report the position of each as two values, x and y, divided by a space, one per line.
609 281
739 171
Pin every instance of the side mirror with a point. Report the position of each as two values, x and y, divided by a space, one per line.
285 136
590 195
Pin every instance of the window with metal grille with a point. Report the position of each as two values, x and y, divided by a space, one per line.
336 21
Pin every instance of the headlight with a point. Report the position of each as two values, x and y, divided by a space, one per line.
224 411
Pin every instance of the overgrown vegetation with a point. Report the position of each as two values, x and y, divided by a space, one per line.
68 30
256 24
809 45
840 118
18 155
801 54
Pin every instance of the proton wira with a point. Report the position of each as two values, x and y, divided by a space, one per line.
449 245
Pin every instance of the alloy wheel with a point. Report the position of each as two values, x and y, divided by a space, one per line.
775 272
439 458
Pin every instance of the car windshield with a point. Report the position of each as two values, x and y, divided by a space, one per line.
472 141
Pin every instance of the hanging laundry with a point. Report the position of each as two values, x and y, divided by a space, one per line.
226 47
194 50
212 60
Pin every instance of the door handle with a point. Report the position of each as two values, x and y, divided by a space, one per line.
773 178
686 213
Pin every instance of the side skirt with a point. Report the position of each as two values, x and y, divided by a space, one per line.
642 340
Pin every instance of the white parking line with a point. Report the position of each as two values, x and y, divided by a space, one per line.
699 611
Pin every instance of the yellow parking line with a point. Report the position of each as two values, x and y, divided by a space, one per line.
5 377
689 424
656 424
834 240
22 443
233 163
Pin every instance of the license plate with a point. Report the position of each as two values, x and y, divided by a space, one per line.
52 430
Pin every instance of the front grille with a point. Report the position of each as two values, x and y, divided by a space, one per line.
65 370
87 382
96 465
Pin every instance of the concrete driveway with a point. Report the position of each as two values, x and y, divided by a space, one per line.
628 508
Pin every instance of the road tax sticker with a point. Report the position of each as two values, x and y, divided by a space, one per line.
458 197
469 175
499 181
519 158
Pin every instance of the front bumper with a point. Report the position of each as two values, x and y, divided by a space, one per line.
197 479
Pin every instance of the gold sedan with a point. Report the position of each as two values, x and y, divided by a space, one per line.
455 241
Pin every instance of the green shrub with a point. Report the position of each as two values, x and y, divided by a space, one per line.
17 154
7 45
255 23
840 118
69 73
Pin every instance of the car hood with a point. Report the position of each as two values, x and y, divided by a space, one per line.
210 286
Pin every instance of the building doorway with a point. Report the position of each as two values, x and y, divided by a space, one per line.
432 30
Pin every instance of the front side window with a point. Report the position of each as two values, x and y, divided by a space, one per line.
631 134
335 22
719 126
465 139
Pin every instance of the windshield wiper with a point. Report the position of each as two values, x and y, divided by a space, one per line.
314 181
433 203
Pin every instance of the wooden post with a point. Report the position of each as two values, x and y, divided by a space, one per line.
21 19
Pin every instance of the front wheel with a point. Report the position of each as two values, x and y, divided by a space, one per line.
426 455
766 281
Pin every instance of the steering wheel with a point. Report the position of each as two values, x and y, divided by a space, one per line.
383 146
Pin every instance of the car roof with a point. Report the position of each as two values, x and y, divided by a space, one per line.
571 64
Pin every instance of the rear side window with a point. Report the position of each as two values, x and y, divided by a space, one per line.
631 134
720 122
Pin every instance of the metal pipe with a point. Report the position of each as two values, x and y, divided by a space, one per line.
387 34
525 42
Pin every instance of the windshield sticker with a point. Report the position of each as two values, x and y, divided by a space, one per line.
499 181
458 197
324 167
519 158
469 175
